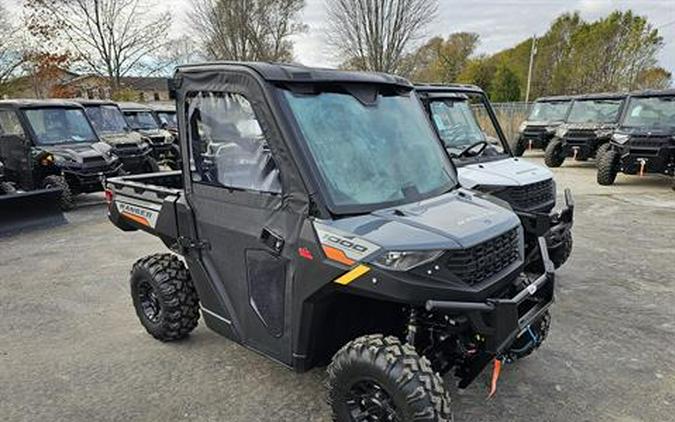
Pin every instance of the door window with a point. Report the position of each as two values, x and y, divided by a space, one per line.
229 148
10 124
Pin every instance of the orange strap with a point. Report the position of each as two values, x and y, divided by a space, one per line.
496 370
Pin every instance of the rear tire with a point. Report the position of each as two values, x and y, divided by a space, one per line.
375 377
560 254
554 154
66 200
164 297
519 147
608 167
531 339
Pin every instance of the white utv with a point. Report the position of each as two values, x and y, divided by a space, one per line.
466 123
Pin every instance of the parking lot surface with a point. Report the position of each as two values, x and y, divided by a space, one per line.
71 348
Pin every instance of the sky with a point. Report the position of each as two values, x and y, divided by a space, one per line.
500 23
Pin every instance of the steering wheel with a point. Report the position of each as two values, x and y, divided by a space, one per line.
465 151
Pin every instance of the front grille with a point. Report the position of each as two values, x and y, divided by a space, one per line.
157 139
534 132
529 197
579 136
649 141
124 150
483 261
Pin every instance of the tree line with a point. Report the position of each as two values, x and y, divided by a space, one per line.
118 38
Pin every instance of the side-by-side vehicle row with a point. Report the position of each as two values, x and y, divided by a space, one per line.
322 221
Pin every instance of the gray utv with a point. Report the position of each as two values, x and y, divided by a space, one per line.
645 139
466 123
141 119
588 127
51 144
112 128
541 123
308 233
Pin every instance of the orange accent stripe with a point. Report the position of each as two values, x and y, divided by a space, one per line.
136 218
335 254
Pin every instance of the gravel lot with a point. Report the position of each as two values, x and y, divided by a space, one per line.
71 348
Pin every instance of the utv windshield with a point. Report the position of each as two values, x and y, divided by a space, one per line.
371 155
549 111
53 125
107 119
651 112
141 120
167 118
595 111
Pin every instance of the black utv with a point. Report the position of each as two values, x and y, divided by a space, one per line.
541 123
165 115
52 144
134 152
588 127
645 139
468 127
141 119
308 232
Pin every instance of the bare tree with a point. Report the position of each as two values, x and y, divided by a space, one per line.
376 35
11 55
111 37
247 29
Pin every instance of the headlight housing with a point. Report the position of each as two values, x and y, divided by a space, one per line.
603 133
560 132
405 260
522 127
620 138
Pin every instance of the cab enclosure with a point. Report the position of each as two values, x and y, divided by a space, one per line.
537 130
165 115
588 126
309 231
468 127
644 142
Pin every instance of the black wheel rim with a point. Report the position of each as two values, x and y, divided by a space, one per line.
368 401
150 305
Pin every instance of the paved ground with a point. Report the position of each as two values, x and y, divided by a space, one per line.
72 350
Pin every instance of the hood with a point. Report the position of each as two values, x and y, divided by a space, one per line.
153 132
656 132
80 152
458 219
122 138
507 172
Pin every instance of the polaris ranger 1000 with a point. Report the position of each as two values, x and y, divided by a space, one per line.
165 115
587 129
645 139
466 123
164 144
539 128
308 232
112 128
52 144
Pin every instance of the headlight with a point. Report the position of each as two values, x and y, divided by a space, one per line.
522 127
404 261
560 132
620 138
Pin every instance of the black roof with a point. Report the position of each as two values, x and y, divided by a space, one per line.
603 96
275 72
163 107
554 98
653 93
86 102
30 103
437 90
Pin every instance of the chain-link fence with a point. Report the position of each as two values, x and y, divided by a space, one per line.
510 116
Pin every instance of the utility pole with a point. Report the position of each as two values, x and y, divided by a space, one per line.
533 51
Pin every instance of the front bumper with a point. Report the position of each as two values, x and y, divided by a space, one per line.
553 226
535 139
91 180
647 159
501 320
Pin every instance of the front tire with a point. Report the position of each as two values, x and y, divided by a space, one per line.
66 200
164 297
519 147
554 155
377 378
531 339
608 167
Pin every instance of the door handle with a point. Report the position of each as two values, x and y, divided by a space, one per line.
272 240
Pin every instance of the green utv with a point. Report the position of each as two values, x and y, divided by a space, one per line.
644 142
133 151
308 233
588 126
540 126
51 144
